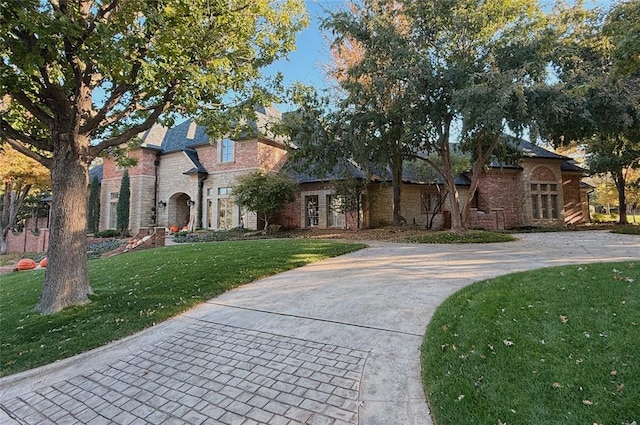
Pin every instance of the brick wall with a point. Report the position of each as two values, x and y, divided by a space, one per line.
293 214
500 199
494 220
574 205
271 156
28 240
34 237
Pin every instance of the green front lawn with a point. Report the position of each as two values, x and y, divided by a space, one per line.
552 346
136 290
628 229
471 236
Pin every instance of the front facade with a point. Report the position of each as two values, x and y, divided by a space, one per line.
544 189
182 180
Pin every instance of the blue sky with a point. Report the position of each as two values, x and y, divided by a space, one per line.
305 64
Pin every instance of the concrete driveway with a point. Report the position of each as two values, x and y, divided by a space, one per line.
335 342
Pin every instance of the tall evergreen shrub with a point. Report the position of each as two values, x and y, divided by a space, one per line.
93 208
124 204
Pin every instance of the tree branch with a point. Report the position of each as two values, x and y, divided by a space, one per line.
435 166
34 109
18 144
137 129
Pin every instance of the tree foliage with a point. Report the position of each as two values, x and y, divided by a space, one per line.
88 76
264 193
18 174
422 75
622 25
598 100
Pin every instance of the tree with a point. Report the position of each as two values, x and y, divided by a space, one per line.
18 174
426 70
618 157
124 205
264 193
93 207
599 106
349 192
623 26
477 64
86 77
370 117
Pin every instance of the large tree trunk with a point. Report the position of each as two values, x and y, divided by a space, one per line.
4 232
66 280
457 223
396 183
619 179
482 157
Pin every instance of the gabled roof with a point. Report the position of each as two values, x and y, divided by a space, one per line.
189 135
198 168
571 166
184 135
530 150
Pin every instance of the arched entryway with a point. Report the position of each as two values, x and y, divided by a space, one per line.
180 206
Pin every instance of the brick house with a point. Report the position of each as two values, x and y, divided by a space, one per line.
544 189
183 180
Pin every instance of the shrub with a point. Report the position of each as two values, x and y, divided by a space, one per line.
95 250
109 233
272 229
217 235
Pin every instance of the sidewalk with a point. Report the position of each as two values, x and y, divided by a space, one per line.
335 342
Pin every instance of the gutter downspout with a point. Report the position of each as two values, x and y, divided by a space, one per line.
156 163
201 178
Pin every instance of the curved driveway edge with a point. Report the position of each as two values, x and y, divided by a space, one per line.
336 342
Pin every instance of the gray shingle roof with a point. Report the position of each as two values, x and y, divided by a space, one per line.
96 172
175 139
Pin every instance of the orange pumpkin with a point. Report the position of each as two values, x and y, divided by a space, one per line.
26 264
44 262
174 229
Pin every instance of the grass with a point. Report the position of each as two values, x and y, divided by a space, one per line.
471 236
629 229
136 290
552 346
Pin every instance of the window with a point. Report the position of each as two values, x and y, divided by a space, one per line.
224 191
430 201
312 211
226 150
113 210
225 213
335 216
544 201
